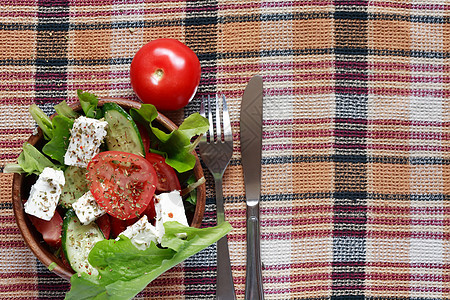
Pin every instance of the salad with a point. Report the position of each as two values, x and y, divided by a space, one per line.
111 193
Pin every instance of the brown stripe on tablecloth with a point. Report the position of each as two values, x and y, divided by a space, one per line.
51 53
51 88
350 179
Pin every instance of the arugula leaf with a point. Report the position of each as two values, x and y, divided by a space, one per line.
42 120
89 103
57 146
177 144
147 113
32 161
65 110
125 271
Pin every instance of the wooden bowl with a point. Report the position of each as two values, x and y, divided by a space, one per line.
22 184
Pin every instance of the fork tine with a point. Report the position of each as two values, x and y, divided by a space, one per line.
210 119
228 135
218 124
204 137
202 107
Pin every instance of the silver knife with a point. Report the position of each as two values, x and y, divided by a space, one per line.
251 143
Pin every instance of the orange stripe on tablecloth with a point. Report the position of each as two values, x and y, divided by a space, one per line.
17 44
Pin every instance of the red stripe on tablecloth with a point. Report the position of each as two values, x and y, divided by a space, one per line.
298 134
377 122
423 6
14 274
373 134
406 78
279 66
288 146
315 90
17 287
107 13
398 234
396 66
10 143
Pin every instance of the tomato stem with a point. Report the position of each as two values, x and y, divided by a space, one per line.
157 75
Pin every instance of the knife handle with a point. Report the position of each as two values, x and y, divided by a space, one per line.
253 284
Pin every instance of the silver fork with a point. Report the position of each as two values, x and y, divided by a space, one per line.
216 149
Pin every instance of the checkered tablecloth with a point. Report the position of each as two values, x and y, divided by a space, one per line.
356 161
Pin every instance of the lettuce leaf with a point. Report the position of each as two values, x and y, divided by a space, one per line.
125 271
89 104
176 145
65 110
42 120
56 148
32 161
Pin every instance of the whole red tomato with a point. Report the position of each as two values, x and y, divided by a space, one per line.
165 73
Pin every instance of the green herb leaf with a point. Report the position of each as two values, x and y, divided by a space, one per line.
176 145
42 120
191 190
32 161
52 266
65 110
57 146
125 271
13 168
89 104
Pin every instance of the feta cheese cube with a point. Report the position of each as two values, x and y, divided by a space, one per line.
159 226
168 207
87 209
44 194
171 207
86 137
142 233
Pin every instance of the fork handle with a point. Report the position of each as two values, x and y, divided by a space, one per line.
225 285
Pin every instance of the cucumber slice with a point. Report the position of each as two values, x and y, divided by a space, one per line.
77 242
122 132
75 187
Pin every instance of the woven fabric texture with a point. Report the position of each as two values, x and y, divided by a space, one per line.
356 137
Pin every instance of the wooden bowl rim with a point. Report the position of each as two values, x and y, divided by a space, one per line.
29 232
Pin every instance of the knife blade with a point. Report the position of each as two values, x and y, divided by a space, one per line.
251 144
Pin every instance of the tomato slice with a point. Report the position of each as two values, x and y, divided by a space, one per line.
50 230
150 211
167 178
104 224
123 184
118 226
